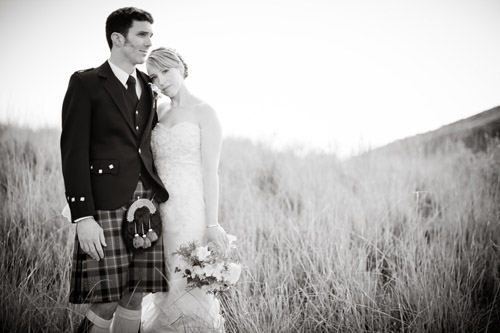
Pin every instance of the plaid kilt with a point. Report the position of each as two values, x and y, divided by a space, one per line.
106 280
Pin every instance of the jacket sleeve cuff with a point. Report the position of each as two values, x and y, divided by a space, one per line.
80 207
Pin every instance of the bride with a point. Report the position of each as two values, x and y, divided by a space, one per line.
186 145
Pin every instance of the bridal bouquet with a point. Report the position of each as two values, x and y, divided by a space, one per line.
208 267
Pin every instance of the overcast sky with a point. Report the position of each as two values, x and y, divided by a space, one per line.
329 74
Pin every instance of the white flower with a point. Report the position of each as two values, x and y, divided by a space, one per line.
156 90
202 253
218 271
209 270
182 264
197 270
232 274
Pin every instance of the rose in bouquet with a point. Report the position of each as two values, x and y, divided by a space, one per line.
208 267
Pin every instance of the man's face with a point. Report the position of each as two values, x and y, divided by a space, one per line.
138 42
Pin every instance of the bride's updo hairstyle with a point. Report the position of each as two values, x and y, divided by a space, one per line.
167 58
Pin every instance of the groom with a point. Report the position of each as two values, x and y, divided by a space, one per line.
107 116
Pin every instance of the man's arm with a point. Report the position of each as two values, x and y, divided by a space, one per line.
75 139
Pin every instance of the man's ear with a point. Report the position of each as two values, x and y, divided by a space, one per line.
117 39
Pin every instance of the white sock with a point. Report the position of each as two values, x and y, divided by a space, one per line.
126 321
100 325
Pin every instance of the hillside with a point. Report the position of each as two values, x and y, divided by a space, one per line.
473 132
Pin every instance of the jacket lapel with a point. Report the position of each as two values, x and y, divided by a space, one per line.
147 92
112 86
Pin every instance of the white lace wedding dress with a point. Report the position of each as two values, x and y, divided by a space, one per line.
177 157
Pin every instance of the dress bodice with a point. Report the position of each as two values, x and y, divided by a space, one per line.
180 143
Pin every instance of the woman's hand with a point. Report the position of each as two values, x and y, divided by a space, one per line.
218 236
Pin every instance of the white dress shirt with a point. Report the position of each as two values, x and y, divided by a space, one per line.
122 76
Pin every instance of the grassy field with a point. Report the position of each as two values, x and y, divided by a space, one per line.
393 241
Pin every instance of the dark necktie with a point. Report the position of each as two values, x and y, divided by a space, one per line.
131 90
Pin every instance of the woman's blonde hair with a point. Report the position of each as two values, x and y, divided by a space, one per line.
167 58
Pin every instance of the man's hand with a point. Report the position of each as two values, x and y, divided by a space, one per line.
91 238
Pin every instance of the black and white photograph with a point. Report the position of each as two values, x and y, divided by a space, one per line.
250 166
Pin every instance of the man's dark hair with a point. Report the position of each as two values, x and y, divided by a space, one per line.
122 19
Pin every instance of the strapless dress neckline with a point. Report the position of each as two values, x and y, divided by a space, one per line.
181 123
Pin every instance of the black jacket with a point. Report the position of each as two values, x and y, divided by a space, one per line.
101 150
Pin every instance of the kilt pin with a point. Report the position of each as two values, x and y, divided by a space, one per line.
107 164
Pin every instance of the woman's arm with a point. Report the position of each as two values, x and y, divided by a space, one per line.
211 142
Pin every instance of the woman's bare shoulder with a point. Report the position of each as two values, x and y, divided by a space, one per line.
207 118
205 110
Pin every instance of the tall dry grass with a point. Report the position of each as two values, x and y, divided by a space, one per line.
388 242
34 263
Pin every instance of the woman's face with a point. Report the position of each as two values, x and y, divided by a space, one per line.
169 80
